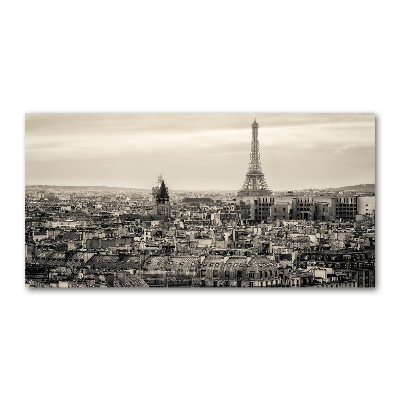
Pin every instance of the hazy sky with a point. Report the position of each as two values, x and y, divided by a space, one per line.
199 151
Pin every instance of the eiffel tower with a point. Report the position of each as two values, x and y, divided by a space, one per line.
254 184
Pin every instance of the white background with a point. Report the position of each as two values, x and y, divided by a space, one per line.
299 56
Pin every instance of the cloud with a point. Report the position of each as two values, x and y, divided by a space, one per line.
214 148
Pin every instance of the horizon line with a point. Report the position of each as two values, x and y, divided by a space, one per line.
197 190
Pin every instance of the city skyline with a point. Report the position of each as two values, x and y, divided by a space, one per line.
199 151
251 237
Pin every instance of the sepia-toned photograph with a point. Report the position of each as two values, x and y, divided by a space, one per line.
189 200
200 200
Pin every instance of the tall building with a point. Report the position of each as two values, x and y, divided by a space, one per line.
304 208
156 187
161 205
254 184
366 205
345 208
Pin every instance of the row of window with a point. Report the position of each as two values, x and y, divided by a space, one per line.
347 200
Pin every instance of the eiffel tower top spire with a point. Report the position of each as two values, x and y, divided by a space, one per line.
254 184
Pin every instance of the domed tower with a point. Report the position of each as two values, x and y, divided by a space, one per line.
160 194
156 186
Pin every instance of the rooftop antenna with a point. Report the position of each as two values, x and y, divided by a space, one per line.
254 116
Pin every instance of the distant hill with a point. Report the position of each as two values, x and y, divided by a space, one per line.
361 188
96 188
115 188
366 187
